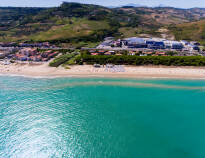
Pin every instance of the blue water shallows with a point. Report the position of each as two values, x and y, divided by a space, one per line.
101 118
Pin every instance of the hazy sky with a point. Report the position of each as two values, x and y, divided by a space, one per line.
48 3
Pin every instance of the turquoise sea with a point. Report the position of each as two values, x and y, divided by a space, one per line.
101 118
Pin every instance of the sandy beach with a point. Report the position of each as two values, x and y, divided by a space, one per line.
43 70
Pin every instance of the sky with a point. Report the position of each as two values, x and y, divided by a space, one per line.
51 3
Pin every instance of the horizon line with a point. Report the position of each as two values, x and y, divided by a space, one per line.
107 6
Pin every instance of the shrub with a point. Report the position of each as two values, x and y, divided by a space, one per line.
60 60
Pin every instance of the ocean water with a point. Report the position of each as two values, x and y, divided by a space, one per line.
101 118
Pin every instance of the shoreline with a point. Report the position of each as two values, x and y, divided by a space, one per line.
88 71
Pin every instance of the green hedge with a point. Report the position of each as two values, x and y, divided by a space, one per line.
60 60
143 60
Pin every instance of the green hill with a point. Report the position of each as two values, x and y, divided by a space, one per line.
82 24
70 21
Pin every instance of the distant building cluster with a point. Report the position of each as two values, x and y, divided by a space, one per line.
27 51
147 47
31 54
6 52
149 43
130 52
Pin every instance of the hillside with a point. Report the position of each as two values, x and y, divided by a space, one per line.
72 22
84 24
169 15
12 16
193 31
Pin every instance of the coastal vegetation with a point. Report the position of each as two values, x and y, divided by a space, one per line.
142 60
65 59
84 57
60 60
